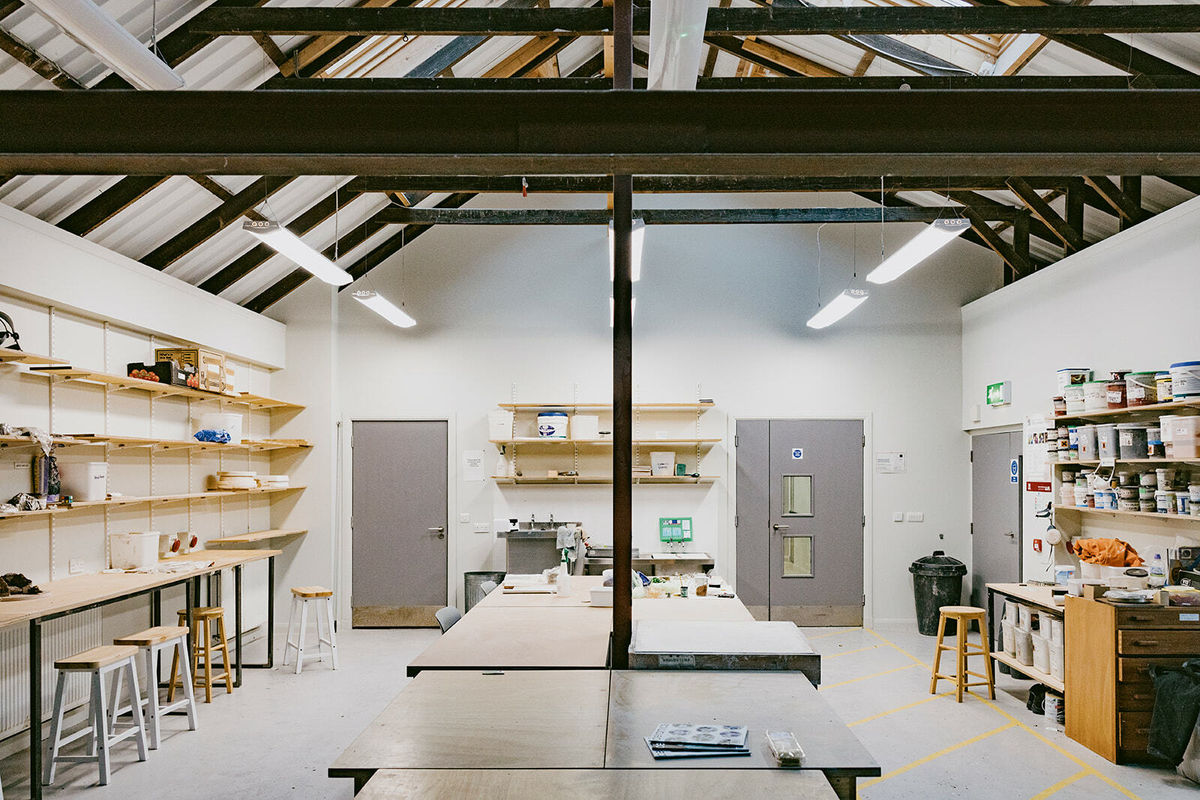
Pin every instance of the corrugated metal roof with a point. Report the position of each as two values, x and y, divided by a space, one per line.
239 63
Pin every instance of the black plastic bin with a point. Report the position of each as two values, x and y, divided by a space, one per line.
473 585
937 582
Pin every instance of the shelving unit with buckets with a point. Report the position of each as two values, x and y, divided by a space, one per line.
565 444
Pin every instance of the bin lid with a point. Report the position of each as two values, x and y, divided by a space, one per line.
938 565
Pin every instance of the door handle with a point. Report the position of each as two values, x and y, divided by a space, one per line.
1010 534
781 527
440 530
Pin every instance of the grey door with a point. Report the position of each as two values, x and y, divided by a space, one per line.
398 523
800 520
995 512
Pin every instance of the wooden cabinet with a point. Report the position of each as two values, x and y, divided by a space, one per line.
1109 652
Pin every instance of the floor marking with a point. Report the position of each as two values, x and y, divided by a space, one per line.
899 708
848 652
1064 783
833 633
938 754
865 677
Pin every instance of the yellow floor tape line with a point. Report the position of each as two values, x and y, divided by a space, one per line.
838 632
1064 783
883 714
938 754
991 704
848 652
865 677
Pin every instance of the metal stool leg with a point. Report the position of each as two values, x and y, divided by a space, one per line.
300 638
56 730
332 631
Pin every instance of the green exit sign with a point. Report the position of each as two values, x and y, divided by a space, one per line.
999 394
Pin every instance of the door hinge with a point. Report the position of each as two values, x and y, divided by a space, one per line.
972 456
864 444
735 520
735 440
864 523
972 529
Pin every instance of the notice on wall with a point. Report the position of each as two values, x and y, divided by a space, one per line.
473 466
889 463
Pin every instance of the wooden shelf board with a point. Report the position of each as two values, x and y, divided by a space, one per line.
1192 461
605 406
591 480
1148 514
266 403
130 501
1177 405
122 442
256 536
1037 675
11 356
25 441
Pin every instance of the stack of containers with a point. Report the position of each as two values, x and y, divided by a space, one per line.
1008 627
1023 636
1041 644
1057 661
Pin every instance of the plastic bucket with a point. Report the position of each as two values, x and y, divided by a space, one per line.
133 550
1023 649
1140 388
1131 440
1185 436
1024 618
1073 397
1009 638
1073 377
552 425
222 421
662 463
1162 381
1116 393
1095 396
1057 665
84 481
1185 379
1107 445
1086 436
1041 653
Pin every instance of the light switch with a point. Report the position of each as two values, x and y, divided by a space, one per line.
75 566
481 527
897 516
915 516
464 516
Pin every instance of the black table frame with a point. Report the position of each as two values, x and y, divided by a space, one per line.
191 600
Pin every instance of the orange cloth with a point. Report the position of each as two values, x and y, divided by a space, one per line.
1108 553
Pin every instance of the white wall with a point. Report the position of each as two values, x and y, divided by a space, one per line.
522 313
1128 302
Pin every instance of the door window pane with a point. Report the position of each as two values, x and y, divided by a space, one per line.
797 557
797 496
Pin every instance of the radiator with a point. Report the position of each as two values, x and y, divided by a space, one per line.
60 638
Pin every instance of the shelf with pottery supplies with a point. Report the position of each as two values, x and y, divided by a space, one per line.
1191 404
1114 514
278 536
246 445
121 500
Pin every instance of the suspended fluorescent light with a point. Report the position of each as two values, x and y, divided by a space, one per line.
385 308
676 43
838 307
87 24
638 235
612 310
293 247
917 249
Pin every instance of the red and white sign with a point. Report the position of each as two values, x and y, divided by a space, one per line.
1038 486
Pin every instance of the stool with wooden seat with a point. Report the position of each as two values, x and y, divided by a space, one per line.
963 615
301 597
151 642
99 661
203 647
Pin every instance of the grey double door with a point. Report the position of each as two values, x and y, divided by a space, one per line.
398 522
799 520
995 512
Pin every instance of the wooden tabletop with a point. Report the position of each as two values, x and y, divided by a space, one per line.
692 609
1035 595
580 595
617 784
640 700
81 590
522 637
472 720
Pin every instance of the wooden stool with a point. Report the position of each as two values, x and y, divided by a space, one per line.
302 596
202 645
99 661
152 642
963 616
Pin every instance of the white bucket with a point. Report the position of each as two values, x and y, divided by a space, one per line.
1107 443
1091 572
1024 618
1041 653
585 426
133 550
662 463
1185 436
552 425
84 481
1073 395
1185 379
1056 631
1085 436
500 424
1023 651
1057 665
1072 377
1008 633
222 421
1095 396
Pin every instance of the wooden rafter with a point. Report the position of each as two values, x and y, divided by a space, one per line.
1070 236
42 66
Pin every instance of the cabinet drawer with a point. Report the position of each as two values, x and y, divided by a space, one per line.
1135 696
1134 730
1137 670
1158 642
1176 617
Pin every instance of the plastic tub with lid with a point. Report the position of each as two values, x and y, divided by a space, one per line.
1095 396
1185 379
1085 435
1131 440
1106 441
1141 388
1185 436
1073 376
552 424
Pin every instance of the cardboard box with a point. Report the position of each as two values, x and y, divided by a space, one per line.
228 384
210 366
168 372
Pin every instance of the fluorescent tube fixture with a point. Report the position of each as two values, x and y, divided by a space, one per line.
291 246
837 308
385 308
612 310
87 24
917 249
676 43
637 237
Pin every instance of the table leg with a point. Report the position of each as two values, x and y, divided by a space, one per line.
843 786
270 612
189 604
35 709
237 624
155 621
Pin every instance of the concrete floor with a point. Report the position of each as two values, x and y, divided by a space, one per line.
275 737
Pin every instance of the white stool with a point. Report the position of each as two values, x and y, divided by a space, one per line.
151 642
302 596
99 661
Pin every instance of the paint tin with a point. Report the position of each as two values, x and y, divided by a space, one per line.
1164 501
1182 503
1073 397
552 425
1185 379
1107 445
1127 505
1127 493
1095 396
1149 506
1116 394
1166 477
1148 479
1146 492
1140 389
1086 438
1081 496
1073 377
1131 440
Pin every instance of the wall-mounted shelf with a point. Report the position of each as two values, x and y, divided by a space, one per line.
1153 408
602 442
583 480
1110 512
255 536
130 501
125 442
1192 461
1044 678
10 356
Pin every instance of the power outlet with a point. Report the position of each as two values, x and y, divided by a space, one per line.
75 566
19 465
914 516
482 527
897 516
464 516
